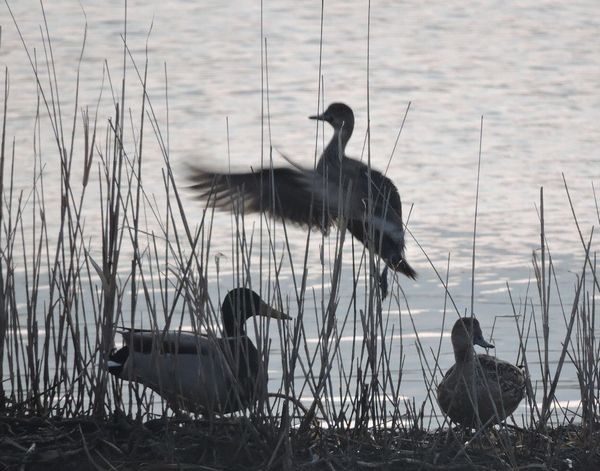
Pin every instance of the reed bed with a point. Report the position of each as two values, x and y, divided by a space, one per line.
66 287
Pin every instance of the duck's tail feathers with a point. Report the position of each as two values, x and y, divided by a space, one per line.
116 360
404 268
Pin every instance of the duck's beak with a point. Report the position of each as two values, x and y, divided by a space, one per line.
479 340
268 311
320 117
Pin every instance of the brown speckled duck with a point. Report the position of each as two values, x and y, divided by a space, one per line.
478 389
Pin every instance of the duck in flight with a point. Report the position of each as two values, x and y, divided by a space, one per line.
339 186
478 389
198 373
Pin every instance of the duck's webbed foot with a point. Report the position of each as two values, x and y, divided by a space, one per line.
383 283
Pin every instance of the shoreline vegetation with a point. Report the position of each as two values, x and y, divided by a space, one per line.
66 288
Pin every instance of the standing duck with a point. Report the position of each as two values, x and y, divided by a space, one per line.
198 373
314 198
478 389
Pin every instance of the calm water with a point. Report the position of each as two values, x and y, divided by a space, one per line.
530 69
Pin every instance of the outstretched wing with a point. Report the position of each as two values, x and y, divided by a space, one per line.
284 192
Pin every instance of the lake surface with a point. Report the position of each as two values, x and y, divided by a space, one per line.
530 68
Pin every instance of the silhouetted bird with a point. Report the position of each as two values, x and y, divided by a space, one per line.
478 389
199 373
338 187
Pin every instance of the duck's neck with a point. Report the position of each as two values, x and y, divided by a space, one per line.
336 149
465 359
233 325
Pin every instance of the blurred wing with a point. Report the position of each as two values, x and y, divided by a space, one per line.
284 192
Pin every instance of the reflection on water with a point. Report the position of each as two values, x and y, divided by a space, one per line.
530 69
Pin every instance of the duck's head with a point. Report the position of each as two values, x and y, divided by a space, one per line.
240 304
466 333
339 115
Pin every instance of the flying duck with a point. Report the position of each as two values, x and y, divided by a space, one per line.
198 373
339 186
478 389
